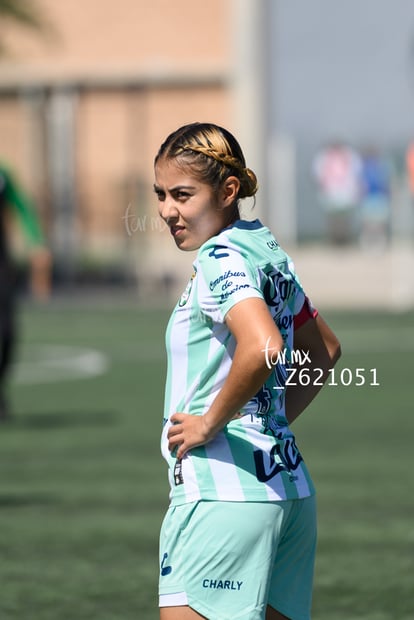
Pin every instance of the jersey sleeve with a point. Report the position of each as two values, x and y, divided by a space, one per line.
225 278
24 209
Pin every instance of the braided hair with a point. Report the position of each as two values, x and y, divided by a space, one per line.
212 153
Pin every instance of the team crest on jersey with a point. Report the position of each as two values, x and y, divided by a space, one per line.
185 296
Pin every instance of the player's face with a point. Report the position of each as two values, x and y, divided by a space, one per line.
192 210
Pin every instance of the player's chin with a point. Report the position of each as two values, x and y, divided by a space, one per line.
186 245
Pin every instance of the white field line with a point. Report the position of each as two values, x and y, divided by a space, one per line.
50 363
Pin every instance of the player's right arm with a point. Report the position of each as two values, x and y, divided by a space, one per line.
253 329
324 350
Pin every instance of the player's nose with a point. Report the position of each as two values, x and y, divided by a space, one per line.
168 210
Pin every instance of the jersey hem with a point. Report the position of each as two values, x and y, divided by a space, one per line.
212 497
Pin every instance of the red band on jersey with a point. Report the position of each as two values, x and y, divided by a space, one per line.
307 312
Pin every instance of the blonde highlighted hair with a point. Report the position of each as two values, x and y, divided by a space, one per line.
211 153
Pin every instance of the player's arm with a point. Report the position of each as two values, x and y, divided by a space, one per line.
254 330
40 257
324 350
41 268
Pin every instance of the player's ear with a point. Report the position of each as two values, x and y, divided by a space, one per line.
229 191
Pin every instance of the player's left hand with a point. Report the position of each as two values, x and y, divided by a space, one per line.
188 431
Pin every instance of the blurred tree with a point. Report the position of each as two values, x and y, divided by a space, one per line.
25 13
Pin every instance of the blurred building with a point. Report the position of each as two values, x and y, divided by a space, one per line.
85 105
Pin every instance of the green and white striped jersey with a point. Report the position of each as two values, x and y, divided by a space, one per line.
254 458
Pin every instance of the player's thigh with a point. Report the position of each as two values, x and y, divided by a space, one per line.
186 613
272 614
179 613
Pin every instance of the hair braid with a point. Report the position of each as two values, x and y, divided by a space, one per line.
212 153
223 158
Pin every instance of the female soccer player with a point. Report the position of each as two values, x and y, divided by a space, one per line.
238 540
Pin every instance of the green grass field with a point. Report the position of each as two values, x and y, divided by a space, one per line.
83 487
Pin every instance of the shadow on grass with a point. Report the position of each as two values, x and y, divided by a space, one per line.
25 499
66 419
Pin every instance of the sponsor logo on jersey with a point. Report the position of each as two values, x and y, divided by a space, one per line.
178 473
282 457
273 245
221 279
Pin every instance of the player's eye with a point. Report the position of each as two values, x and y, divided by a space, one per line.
160 194
182 195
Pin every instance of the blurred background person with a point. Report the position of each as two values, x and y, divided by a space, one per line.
14 202
410 168
375 200
337 171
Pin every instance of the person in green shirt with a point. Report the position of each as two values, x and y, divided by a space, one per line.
14 202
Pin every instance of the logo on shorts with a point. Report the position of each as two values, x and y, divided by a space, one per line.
222 584
165 570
